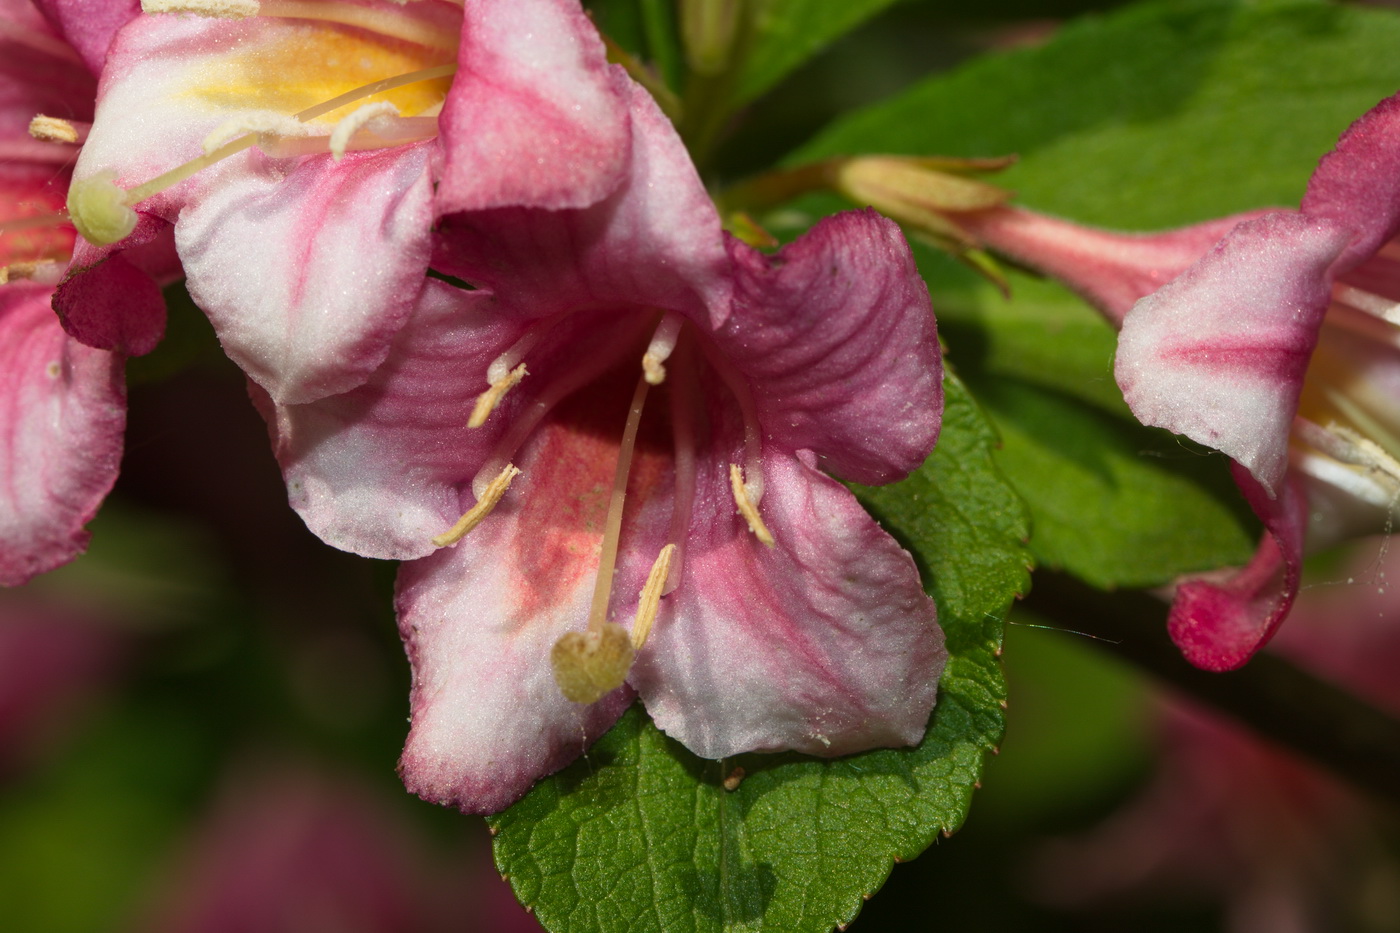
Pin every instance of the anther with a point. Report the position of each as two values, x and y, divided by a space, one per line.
55 130
747 507
484 504
487 401
663 343
361 116
650 600
590 665
220 9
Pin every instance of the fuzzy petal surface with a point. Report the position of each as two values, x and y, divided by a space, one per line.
307 275
107 302
1219 354
824 644
536 116
656 241
1218 622
480 620
61 422
377 471
89 25
817 327
1357 184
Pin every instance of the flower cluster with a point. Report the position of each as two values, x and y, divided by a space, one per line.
489 312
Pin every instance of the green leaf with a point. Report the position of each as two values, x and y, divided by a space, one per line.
1153 116
1157 115
785 33
640 835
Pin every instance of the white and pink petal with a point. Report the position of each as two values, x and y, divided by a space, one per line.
62 414
824 644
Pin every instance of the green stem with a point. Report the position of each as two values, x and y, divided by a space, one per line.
1354 740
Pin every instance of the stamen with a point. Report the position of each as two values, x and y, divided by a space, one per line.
102 211
502 365
383 22
43 271
485 502
525 422
1363 419
649 602
686 401
487 401
219 9
356 121
747 508
663 342
259 124
1372 304
56 130
753 440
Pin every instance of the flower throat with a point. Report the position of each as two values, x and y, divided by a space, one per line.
103 211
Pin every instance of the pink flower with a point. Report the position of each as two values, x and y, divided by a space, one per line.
304 150
654 409
1280 348
62 404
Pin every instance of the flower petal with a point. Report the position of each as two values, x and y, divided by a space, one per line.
656 242
62 418
837 335
1357 184
377 470
1110 270
824 644
1219 622
536 116
1219 353
109 303
480 620
308 274
90 27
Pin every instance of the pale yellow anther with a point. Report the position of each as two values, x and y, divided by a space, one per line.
590 665
487 401
53 130
352 124
222 9
653 370
100 210
650 600
747 507
260 123
43 271
477 513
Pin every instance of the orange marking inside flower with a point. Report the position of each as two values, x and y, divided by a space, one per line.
564 508
38 199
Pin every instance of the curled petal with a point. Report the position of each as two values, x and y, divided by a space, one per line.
1357 184
107 302
1219 354
536 116
377 470
307 275
656 241
824 644
61 421
1219 622
838 331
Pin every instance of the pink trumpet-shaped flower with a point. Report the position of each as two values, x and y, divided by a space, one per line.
1270 336
62 404
635 416
303 151
1280 347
